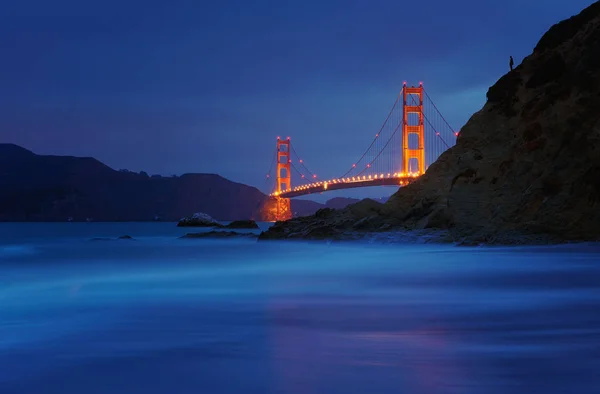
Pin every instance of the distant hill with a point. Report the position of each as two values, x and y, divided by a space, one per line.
54 188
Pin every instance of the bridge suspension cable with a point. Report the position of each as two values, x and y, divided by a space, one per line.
269 176
375 140
431 125
438 111
301 161
303 177
382 149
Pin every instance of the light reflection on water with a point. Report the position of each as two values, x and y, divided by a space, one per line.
164 315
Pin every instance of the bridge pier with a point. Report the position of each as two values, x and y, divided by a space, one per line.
284 209
276 209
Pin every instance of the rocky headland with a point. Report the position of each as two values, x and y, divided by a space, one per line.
525 169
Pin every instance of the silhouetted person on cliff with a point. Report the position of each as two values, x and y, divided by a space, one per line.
512 63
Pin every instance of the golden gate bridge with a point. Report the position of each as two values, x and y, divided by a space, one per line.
412 137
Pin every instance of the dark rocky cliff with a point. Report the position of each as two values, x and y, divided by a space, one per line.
526 167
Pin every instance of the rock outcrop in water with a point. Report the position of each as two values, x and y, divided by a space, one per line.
218 234
122 237
198 219
243 224
526 167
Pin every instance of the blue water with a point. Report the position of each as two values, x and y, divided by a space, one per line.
165 315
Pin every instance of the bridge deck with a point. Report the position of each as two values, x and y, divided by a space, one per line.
340 184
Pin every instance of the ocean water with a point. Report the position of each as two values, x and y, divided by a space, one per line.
159 314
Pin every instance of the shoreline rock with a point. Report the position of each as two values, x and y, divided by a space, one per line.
243 224
122 237
218 234
421 236
199 220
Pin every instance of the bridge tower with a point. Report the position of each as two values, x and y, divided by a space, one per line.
413 104
283 163
284 211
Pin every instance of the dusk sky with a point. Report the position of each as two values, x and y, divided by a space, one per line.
189 86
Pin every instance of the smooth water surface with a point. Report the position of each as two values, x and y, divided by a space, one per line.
160 314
